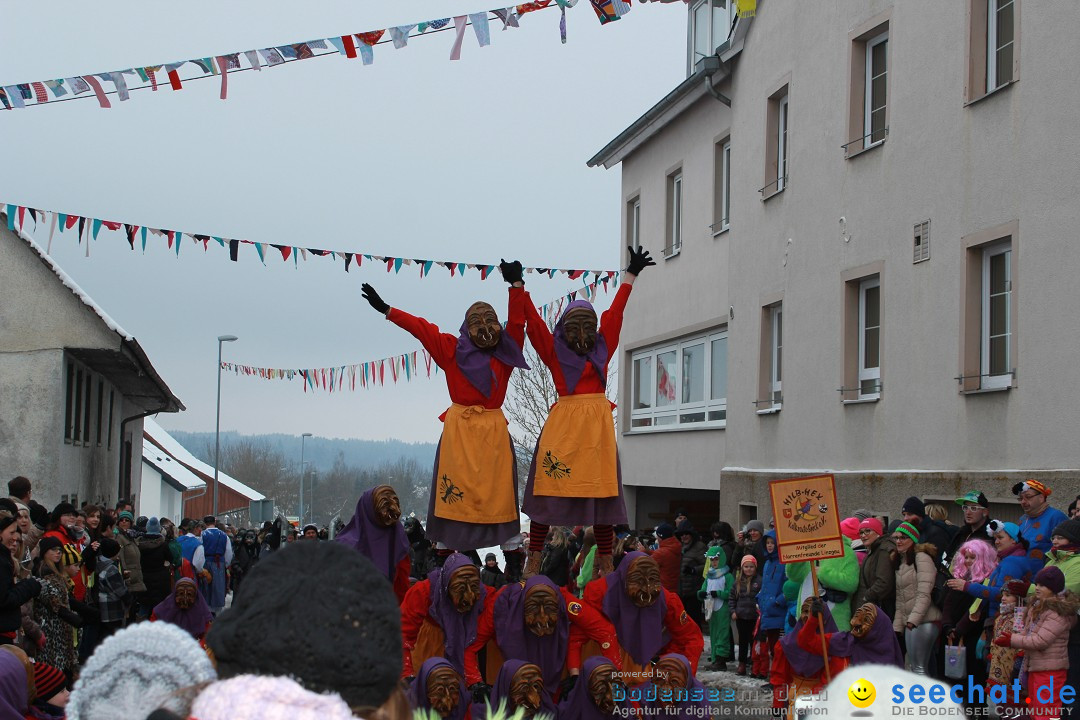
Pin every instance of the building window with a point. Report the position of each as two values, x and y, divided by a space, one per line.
633 222
69 404
996 316
776 144
874 126
675 210
777 361
1000 36
870 339
111 400
722 184
76 420
770 359
100 408
682 384
86 410
710 24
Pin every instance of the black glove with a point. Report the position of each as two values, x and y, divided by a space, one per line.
480 692
511 271
567 685
373 299
639 260
702 594
71 618
817 606
714 593
39 515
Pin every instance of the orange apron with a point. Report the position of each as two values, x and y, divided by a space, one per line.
576 455
474 482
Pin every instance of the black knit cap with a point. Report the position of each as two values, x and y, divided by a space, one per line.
914 506
348 640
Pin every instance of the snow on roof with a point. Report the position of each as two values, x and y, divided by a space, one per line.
167 465
73 286
170 445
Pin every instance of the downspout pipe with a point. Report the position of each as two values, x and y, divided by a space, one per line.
712 65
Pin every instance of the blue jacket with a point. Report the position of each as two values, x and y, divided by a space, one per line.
771 599
1037 530
1012 567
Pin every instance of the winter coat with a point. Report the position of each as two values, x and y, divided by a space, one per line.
838 579
693 562
914 585
130 561
492 577
877 578
556 564
771 600
936 533
1016 565
1045 640
669 557
155 560
13 594
746 547
1068 562
744 597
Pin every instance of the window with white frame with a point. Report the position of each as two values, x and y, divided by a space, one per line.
675 208
682 384
1000 40
996 316
782 144
633 222
870 338
877 58
710 24
722 184
776 374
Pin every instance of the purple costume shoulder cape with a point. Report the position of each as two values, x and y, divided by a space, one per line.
517 643
802 663
417 693
879 646
696 703
577 705
459 629
640 630
475 364
385 546
500 693
572 364
194 620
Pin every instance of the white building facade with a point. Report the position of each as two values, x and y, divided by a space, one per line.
863 213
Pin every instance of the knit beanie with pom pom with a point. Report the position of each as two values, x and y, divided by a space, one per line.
254 697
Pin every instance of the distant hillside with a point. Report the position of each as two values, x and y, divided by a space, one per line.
321 453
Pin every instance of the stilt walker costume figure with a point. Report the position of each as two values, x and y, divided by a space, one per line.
473 501
575 477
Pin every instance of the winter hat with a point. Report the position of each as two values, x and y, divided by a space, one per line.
748 560
862 514
1030 484
915 506
755 525
1051 577
1010 528
973 497
685 528
349 642
664 530
48 543
849 528
108 548
873 524
1018 588
253 697
125 515
48 680
311 526
136 671
63 508
908 529
153 526
1070 530
489 556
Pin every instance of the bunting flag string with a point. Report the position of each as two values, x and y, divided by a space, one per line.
397 368
18 216
348 45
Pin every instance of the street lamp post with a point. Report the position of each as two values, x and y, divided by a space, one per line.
300 514
217 427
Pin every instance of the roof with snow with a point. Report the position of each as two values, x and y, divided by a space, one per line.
182 478
171 446
127 367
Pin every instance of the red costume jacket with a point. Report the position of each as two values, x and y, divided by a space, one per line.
401 577
669 557
442 347
544 343
586 623
782 676
685 635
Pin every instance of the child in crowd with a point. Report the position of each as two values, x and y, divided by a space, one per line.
1044 639
744 607
1005 661
714 593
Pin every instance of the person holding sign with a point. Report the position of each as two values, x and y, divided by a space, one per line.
796 672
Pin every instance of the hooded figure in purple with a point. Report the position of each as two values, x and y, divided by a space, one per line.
374 530
186 608
519 685
581 702
517 641
870 641
420 695
675 693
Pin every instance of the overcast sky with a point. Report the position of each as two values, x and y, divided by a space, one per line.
414 156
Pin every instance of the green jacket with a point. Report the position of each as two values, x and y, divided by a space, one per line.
1068 562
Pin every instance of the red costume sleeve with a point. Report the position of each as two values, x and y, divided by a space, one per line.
401 578
594 593
686 638
588 623
611 320
515 315
414 609
808 637
439 344
485 630
540 335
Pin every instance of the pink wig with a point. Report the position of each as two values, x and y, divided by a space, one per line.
986 560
